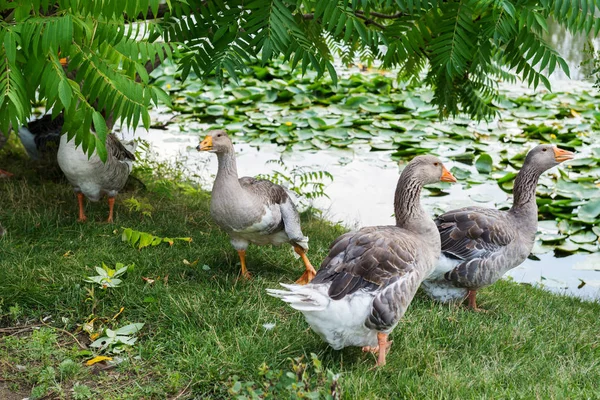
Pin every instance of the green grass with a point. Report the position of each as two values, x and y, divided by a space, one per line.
204 326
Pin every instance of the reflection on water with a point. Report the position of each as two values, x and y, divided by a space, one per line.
572 49
362 194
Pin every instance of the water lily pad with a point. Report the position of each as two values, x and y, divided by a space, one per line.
507 177
460 173
584 237
216 110
484 163
590 211
376 108
481 197
551 237
548 226
568 247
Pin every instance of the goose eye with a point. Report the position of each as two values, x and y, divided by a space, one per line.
219 135
544 149
436 164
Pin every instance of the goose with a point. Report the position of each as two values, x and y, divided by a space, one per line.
252 210
479 245
92 178
41 137
369 278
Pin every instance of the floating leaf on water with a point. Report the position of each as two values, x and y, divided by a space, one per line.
584 237
215 110
551 237
376 108
356 101
484 163
460 173
568 247
548 226
539 248
384 146
509 176
589 211
569 227
317 123
481 197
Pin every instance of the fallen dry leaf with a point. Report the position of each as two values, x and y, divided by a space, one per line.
97 360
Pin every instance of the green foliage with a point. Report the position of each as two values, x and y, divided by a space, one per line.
140 206
305 380
464 46
105 79
116 341
144 239
108 277
306 184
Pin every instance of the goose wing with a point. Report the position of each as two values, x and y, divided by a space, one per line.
117 149
272 194
476 236
381 260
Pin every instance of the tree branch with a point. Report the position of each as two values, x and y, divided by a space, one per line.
380 15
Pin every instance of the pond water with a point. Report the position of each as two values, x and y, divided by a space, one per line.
361 193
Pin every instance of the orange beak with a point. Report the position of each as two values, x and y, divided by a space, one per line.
447 176
206 144
561 155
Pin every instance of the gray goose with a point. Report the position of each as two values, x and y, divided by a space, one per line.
369 278
252 210
91 177
479 245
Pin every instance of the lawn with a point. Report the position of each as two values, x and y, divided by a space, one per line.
204 330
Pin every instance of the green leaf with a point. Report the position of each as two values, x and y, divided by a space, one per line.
484 163
64 93
589 211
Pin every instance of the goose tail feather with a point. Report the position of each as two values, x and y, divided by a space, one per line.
301 297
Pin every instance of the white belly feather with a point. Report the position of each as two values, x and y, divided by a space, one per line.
257 233
437 287
340 323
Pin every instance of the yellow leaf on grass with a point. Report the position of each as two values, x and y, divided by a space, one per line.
97 360
94 336
119 313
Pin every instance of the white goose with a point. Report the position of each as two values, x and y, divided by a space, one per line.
91 177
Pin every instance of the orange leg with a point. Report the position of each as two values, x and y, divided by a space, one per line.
82 217
310 272
111 205
5 174
473 301
245 273
382 348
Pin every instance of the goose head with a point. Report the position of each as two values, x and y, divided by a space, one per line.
546 156
428 169
216 141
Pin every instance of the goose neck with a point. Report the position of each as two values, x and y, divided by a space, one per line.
407 203
227 171
524 190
